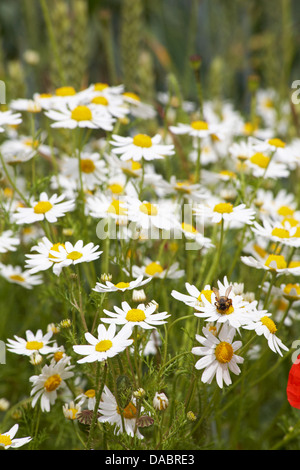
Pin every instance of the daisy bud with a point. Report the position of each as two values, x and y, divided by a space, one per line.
4 404
140 393
71 410
160 401
191 416
54 328
196 61
65 323
138 295
106 277
36 359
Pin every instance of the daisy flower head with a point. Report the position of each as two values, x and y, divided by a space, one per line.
8 242
71 410
68 254
51 379
143 316
283 233
16 275
224 306
100 206
87 398
194 296
199 129
111 413
108 344
266 326
43 259
8 118
153 269
121 286
152 215
34 343
72 116
45 208
7 439
92 170
138 108
225 211
219 355
275 263
139 147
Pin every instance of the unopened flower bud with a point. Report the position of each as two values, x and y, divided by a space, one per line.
160 401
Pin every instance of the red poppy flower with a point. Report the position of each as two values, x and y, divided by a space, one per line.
293 386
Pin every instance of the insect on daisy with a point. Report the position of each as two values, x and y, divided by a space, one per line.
46 208
108 344
219 358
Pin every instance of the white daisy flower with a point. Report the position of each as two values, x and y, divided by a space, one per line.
7 439
194 296
101 206
87 398
108 344
92 168
138 109
121 286
71 410
273 263
219 358
226 211
68 254
16 275
83 116
111 413
8 242
262 165
143 316
199 129
23 104
234 311
141 146
191 234
267 327
111 104
46 208
8 118
283 233
46 385
34 343
153 269
44 259
156 215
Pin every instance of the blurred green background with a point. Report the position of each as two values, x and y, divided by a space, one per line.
141 42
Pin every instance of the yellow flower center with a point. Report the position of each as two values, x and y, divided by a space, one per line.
55 247
103 345
65 91
116 208
130 412
292 289
297 233
17 277
72 413
294 264
229 310
259 250
100 86
87 165
81 113
52 383
188 228
268 103
183 187
223 208
277 143
285 211
224 352
260 160
280 232
133 96
100 100
74 255
153 268
207 294
142 140
135 315
33 345
58 355
91 393
269 324
5 440
228 173
199 125
116 188
42 207
148 209
122 285
278 260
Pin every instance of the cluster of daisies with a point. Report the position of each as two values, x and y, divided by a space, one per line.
117 182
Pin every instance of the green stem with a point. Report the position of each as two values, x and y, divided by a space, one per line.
98 398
